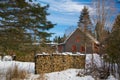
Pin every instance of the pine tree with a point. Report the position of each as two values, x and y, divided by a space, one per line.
20 21
85 24
59 39
64 38
116 24
113 44
84 20
100 33
11 33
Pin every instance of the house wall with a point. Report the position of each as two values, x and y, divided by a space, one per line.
61 48
76 43
96 48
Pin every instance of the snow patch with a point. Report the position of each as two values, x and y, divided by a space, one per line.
69 74
7 58
0 58
27 66
96 60
111 77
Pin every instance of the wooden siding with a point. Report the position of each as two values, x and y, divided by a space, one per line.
76 42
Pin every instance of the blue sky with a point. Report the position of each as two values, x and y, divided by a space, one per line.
65 13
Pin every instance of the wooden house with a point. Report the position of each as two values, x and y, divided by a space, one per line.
79 41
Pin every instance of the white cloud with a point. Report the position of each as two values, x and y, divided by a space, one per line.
66 20
64 5
64 13
68 11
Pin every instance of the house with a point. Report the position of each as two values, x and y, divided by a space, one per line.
79 41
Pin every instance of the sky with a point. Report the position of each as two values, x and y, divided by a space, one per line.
65 13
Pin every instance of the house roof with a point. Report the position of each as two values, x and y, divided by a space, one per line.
87 34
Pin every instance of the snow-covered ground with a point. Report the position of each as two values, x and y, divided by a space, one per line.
69 74
96 60
6 65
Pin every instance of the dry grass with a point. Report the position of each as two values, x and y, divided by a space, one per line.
42 77
15 74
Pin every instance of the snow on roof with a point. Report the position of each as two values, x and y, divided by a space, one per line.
92 38
37 43
64 53
43 53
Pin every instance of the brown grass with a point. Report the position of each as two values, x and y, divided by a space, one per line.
15 74
42 77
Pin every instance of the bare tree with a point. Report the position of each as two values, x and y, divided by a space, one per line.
103 16
104 13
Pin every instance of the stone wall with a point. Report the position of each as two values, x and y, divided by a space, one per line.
57 62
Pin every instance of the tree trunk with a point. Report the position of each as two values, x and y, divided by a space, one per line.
119 71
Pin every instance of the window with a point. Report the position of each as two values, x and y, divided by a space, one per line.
82 49
60 48
96 46
73 48
77 39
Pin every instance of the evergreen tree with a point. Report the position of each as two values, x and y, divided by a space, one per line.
84 20
101 33
64 37
20 21
113 44
85 23
116 24
59 39
55 39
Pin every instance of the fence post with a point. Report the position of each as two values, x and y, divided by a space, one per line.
14 57
52 63
35 59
